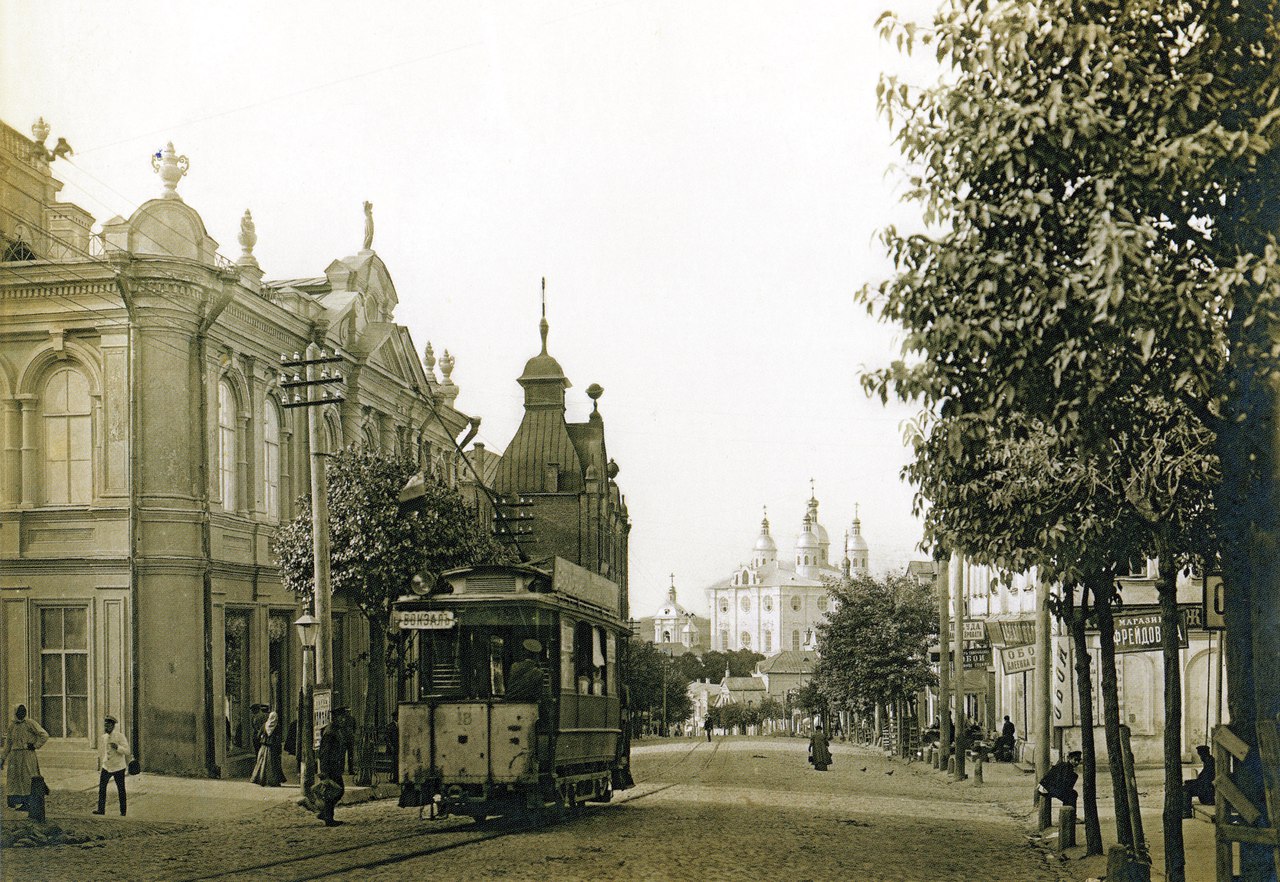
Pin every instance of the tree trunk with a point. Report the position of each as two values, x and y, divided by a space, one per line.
1104 595
1174 854
1084 686
370 734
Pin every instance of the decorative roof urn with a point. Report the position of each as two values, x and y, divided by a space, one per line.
171 168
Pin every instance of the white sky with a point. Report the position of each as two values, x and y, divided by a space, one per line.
699 182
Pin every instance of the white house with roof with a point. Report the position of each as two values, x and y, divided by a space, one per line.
776 602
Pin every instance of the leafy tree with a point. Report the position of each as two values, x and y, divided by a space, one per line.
687 668
375 550
809 699
1101 176
874 644
739 663
732 716
647 675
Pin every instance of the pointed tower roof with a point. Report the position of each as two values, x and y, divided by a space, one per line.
542 368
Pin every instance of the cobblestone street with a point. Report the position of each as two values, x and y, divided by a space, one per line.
700 812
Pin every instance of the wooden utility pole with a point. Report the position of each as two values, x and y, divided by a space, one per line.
956 565
944 665
1043 677
308 386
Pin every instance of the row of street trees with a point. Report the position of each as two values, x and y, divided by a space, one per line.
1091 320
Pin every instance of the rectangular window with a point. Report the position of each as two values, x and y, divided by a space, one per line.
64 671
497 670
236 685
611 665
567 679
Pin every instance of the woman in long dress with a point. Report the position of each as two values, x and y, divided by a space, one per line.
819 752
268 772
23 738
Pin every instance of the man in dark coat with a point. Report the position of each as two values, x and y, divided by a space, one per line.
1201 786
1004 744
707 726
329 761
1060 782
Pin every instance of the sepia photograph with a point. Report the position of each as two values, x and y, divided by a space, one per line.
640 440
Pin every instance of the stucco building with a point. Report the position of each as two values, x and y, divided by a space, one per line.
149 458
674 629
776 601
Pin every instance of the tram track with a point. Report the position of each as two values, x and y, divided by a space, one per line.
465 835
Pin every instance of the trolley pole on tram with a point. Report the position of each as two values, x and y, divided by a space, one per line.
307 380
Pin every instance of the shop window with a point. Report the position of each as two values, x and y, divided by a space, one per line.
68 439
64 672
237 675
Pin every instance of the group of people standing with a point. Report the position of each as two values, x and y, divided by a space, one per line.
24 784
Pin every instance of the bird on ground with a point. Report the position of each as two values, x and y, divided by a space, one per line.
890 772
864 768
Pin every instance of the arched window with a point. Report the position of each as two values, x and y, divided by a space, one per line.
768 604
795 602
768 641
822 603
724 604
746 639
724 639
271 459
68 439
666 636
227 445
795 640
745 603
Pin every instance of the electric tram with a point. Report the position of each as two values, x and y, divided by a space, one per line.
517 704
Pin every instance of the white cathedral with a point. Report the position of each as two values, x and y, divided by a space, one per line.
775 603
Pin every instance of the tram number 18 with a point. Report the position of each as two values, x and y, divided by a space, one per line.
464 717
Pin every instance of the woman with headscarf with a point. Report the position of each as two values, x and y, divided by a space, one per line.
23 738
268 772
819 752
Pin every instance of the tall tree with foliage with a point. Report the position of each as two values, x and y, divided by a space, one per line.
874 645
649 676
375 550
1083 162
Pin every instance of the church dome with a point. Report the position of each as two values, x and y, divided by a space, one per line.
543 367
765 550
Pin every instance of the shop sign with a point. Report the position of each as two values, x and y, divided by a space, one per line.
1016 659
1143 633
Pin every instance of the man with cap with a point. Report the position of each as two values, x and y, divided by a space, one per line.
113 759
1060 782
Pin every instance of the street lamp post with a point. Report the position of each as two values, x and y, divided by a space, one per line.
307 634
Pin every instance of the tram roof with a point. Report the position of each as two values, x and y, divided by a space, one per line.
553 574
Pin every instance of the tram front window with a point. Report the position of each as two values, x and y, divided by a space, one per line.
479 663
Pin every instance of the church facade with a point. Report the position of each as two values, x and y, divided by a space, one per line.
775 602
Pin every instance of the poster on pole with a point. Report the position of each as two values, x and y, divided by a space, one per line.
321 713
1016 659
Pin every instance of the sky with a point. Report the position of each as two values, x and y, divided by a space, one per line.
700 183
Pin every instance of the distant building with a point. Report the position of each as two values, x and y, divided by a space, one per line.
674 629
788 671
775 603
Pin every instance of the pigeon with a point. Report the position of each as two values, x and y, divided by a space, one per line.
864 768
890 772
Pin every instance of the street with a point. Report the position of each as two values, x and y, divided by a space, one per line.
699 811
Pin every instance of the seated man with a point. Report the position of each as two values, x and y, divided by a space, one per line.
1060 782
1201 785
1003 747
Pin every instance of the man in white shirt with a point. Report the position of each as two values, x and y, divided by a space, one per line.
113 759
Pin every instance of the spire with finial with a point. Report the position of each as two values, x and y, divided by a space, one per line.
543 327
764 522
429 362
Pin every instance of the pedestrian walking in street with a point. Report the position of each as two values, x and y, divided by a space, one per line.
268 771
819 751
21 741
329 759
113 760
1060 782
706 724
1201 786
343 719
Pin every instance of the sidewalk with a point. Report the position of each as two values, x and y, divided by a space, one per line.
1012 788
159 802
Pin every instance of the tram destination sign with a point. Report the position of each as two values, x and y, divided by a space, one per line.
425 619
1142 633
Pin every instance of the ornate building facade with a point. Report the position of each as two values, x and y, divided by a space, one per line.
775 602
149 458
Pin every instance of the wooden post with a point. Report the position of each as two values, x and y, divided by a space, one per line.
1066 828
1042 681
944 664
977 770
956 565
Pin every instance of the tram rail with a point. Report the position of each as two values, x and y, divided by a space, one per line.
464 835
